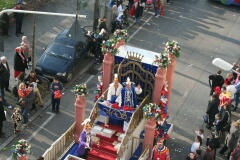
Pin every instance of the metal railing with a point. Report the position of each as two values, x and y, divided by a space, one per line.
145 154
135 120
61 145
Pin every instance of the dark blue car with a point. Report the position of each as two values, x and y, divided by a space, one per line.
61 57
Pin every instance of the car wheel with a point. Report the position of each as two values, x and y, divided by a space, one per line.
69 76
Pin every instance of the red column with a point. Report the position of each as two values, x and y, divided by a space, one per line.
150 127
170 74
107 70
160 78
80 106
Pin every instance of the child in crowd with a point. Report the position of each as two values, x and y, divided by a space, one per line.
199 132
196 145
218 123
16 117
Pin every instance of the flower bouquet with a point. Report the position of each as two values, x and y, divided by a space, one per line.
20 149
109 46
80 90
163 60
120 35
173 48
152 110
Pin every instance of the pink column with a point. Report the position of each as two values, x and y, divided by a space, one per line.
160 78
80 106
170 74
150 127
107 70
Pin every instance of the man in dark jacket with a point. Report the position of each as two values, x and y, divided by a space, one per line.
212 110
4 24
19 19
6 73
217 80
2 118
29 101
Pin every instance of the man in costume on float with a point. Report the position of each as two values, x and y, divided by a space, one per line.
129 93
160 152
85 140
114 92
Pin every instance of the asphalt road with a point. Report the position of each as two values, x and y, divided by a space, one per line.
204 29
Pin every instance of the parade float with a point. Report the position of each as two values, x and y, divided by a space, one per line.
228 2
125 128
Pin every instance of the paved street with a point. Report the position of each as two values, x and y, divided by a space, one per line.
204 29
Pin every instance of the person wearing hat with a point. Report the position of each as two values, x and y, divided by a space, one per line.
4 24
85 140
129 94
19 18
160 152
114 91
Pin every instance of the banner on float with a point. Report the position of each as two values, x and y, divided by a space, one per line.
116 113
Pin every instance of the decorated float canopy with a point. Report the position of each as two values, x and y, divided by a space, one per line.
146 56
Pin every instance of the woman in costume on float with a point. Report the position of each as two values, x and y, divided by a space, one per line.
114 92
160 151
85 140
129 92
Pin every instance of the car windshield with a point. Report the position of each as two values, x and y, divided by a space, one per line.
61 50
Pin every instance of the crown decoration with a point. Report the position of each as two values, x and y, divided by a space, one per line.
135 56
115 77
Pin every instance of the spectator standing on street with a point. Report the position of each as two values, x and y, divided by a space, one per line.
212 110
6 73
56 89
138 13
209 154
198 155
237 94
196 145
114 17
19 18
28 104
215 80
191 156
28 49
4 24
2 86
214 140
20 62
156 6
35 79
2 118
102 23
235 155
231 139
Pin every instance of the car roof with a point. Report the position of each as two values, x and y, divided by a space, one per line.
64 39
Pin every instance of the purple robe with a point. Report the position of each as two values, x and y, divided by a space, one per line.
82 142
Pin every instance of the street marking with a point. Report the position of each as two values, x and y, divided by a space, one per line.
139 28
89 79
39 128
90 102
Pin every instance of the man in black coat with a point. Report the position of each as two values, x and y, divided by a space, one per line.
19 18
6 73
212 110
4 24
217 80
2 118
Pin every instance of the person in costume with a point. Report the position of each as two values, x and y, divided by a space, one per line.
160 151
85 140
114 91
129 93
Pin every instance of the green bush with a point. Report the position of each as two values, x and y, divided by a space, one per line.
7 3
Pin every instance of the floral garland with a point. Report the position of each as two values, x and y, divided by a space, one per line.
163 60
173 48
110 46
120 35
161 127
152 110
20 148
80 90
